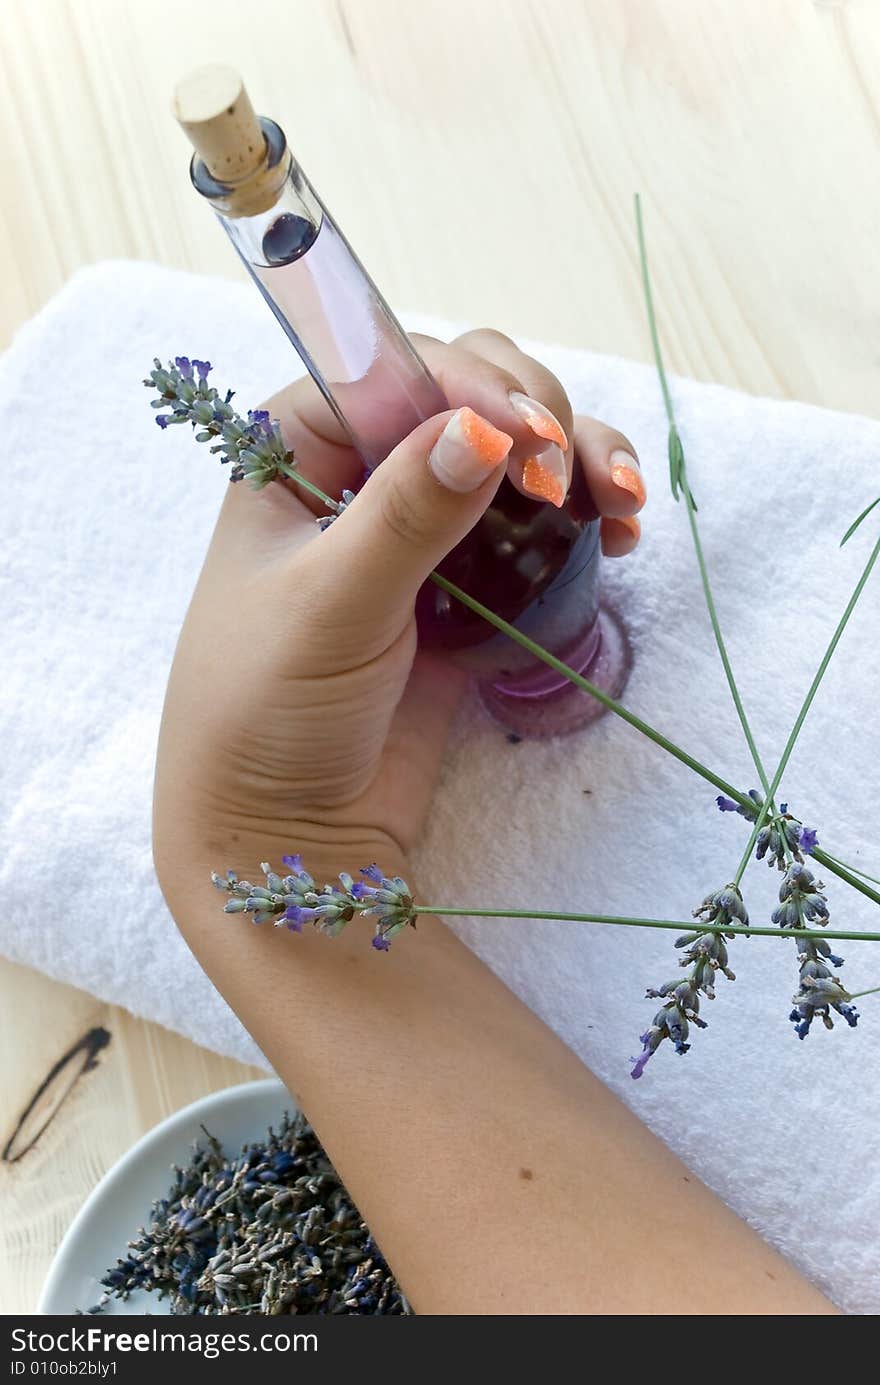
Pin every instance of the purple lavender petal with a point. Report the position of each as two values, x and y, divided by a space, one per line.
296 916
380 943
808 839
372 873
293 863
725 805
640 1062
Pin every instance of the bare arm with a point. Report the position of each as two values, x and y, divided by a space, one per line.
497 1173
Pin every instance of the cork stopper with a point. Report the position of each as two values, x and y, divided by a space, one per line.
214 109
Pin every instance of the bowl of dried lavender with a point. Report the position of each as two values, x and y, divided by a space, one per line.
229 1207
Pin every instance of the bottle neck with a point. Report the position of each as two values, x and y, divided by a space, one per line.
256 193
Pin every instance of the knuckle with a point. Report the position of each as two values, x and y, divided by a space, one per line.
479 337
597 438
622 441
405 517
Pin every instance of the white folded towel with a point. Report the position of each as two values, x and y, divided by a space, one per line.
105 524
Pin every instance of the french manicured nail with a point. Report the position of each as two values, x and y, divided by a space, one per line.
467 451
625 474
538 418
546 477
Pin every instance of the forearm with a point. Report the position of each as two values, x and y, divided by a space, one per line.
497 1174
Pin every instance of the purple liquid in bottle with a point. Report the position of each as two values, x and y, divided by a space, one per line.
533 564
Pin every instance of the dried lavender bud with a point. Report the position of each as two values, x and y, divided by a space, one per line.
730 805
801 899
818 996
781 837
272 1230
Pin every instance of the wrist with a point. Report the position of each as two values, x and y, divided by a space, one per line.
184 863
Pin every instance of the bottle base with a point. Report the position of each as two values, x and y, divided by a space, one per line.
542 703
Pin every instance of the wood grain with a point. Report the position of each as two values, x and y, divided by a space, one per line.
482 156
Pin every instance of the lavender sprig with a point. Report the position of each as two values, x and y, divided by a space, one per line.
294 899
252 446
819 991
706 955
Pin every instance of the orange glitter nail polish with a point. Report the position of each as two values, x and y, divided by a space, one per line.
539 419
489 443
628 478
540 482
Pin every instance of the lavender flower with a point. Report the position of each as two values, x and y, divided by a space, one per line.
781 837
671 1022
818 996
706 955
295 899
801 899
390 901
802 902
325 521
730 805
253 446
808 840
779 840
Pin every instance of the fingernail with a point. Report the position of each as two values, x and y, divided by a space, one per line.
630 523
626 475
546 477
467 451
539 418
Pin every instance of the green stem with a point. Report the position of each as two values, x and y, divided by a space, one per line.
854 995
652 317
677 924
769 807
722 647
695 532
550 659
828 859
579 681
830 863
609 702
820 672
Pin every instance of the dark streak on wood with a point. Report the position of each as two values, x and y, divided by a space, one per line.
343 22
63 1076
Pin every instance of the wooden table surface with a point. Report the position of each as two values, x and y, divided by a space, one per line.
482 156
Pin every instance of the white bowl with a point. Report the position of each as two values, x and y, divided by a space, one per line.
113 1211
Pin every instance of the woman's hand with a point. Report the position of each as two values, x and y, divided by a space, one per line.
299 715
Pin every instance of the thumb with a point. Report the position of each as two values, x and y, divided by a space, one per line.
415 507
